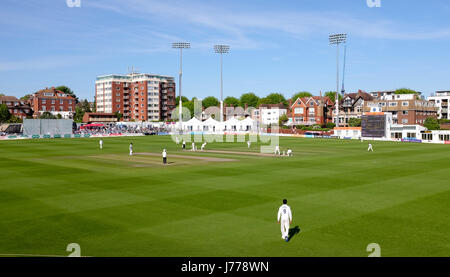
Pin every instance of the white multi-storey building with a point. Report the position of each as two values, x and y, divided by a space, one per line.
271 113
441 100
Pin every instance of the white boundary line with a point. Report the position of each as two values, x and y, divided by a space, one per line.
37 255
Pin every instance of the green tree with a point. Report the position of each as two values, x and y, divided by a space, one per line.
250 99
301 94
405 91
189 105
209 101
431 123
79 113
118 115
263 101
231 101
68 91
47 115
273 98
25 97
5 115
354 122
15 119
332 95
330 125
86 106
276 98
183 99
282 120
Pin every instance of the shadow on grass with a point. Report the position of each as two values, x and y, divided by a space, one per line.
293 231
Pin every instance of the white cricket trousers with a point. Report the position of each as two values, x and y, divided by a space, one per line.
284 228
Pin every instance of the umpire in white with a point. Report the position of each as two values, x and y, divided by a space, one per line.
284 217
164 156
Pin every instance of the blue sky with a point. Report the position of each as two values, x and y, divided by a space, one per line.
276 46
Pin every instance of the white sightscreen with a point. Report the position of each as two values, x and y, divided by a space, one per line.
47 126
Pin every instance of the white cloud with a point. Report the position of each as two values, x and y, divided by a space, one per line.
239 24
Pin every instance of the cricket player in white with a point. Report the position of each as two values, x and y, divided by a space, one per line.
193 147
131 149
249 143
203 146
177 140
289 152
285 218
101 144
370 148
277 150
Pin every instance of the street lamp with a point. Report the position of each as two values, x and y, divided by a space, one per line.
337 39
221 49
181 46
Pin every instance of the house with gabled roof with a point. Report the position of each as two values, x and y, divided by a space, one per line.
311 110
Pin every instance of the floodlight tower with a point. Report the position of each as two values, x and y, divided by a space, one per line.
221 49
181 46
337 39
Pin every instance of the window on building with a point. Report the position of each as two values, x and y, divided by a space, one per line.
298 110
53 108
405 121
44 101
404 112
405 104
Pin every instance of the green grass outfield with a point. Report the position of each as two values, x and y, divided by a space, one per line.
58 191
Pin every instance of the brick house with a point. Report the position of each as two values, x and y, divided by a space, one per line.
52 101
351 106
16 107
406 109
311 110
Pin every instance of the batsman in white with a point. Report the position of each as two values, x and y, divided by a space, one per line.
101 144
285 218
203 146
277 150
370 148
131 149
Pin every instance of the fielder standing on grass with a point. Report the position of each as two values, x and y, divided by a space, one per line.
285 218
370 147
101 144
131 149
